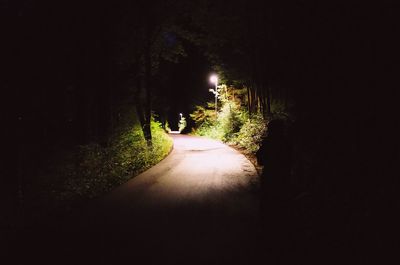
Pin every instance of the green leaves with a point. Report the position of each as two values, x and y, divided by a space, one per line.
93 170
224 125
182 124
203 114
250 134
232 124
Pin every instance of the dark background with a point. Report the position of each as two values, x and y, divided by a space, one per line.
61 63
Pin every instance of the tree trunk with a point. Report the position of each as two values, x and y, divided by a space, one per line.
253 99
263 109
146 126
268 94
248 100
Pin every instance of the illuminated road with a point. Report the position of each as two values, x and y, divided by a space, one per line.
198 170
197 206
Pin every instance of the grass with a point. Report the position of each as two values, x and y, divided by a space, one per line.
98 169
74 176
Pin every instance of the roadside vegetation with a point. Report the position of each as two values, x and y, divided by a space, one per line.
234 124
90 170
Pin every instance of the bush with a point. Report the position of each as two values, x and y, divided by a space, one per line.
229 120
232 125
182 124
250 135
96 170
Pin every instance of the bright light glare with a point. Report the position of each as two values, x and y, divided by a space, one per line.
214 79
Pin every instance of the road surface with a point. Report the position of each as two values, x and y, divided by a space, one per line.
197 206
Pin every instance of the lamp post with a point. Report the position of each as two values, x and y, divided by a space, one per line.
214 80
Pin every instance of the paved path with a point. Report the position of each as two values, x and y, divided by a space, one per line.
198 170
197 206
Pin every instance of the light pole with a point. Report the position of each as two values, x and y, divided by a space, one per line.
214 80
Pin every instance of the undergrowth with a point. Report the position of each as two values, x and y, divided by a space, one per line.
232 124
92 170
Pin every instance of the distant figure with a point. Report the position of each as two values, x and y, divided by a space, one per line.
275 155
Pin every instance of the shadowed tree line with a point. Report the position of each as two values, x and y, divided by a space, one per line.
70 66
324 63
81 60
330 68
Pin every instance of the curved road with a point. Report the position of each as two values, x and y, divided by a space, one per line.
197 170
197 206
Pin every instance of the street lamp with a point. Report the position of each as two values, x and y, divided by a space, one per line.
214 80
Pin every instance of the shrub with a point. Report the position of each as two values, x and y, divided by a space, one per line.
250 135
230 120
232 125
182 124
96 170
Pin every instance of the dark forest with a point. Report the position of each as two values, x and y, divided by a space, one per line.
91 88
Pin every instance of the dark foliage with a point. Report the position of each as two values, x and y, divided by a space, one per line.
68 65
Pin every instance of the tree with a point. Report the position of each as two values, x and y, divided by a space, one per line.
247 43
150 38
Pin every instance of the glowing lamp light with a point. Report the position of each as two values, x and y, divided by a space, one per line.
214 79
